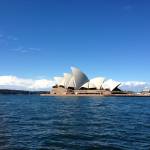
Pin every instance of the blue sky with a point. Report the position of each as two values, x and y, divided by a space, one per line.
43 38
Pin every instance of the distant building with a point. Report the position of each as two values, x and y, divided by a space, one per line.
77 83
146 90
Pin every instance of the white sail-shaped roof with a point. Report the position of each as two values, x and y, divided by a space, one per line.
79 77
110 84
94 83
67 77
91 85
65 80
71 83
98 81
88 85
58 79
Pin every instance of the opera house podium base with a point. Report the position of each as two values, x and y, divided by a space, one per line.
65 92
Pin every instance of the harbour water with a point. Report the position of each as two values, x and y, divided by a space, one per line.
74 123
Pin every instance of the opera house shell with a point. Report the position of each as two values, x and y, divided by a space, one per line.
77 82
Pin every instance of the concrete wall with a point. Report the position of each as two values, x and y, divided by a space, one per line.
63 91
59 91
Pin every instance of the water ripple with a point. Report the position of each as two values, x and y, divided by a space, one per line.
74 123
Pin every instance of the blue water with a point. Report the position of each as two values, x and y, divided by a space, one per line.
73 123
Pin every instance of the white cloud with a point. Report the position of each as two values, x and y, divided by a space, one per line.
134 85
13 82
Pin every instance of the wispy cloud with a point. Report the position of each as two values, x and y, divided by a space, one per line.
34 49
25 50
13 82
13 41
7 40
10 37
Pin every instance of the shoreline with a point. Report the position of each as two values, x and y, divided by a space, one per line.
97 95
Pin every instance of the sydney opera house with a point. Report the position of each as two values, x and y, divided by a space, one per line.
77 83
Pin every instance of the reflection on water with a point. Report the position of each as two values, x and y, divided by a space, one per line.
74 123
